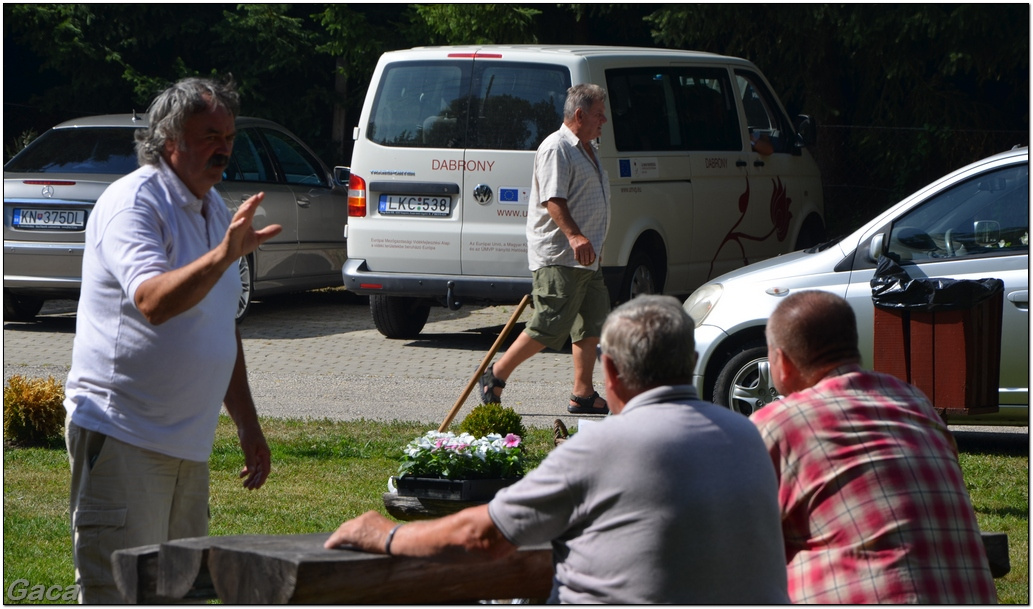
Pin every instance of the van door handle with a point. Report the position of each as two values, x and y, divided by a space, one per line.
758 163
740 163
1020 299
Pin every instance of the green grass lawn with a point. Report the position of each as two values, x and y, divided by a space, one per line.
325 472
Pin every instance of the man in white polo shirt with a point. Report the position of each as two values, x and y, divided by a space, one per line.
156 348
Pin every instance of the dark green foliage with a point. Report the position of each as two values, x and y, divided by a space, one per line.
902 93
34 414
487 419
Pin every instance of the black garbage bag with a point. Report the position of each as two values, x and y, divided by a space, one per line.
892 288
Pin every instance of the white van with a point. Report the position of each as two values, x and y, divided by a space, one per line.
442 163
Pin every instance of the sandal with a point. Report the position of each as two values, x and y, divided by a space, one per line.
586 405
488 384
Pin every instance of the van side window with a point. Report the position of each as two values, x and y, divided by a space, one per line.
673 109
987 215
763 117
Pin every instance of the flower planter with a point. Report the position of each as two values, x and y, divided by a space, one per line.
451 490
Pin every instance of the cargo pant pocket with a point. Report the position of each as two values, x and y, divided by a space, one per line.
99 531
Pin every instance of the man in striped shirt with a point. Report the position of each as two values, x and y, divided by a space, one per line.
874 507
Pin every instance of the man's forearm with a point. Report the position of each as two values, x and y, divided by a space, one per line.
165 296
466 535
238 401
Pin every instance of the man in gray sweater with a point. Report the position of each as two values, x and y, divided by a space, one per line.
673 500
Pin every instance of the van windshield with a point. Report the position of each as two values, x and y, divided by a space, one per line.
468 104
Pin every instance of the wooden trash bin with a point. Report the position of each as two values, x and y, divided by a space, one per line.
950 351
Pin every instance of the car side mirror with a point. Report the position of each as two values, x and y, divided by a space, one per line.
342 175
875 247
807 129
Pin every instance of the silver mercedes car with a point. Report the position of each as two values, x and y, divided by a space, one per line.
970 225
50 188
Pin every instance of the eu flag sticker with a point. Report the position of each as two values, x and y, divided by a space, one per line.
625 167
514 195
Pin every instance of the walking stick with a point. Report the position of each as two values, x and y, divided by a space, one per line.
484 363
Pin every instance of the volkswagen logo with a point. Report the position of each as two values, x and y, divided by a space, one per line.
482 194
48 191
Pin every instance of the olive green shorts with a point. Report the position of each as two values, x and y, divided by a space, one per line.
567 302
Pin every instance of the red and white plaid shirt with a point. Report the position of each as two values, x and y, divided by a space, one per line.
874 506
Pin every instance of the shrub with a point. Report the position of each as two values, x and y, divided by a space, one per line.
486 419
34 414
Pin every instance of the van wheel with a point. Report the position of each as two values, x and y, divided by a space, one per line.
639 276
399 316
744 383
247 286
21 308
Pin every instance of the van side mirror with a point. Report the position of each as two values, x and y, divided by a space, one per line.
342 175
807 129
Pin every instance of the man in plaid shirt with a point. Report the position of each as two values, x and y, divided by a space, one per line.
874 507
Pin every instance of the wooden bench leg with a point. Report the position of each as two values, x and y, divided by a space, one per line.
136 572
996 545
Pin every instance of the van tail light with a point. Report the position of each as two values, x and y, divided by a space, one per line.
356 197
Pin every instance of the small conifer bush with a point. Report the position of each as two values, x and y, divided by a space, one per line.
487 419
34 414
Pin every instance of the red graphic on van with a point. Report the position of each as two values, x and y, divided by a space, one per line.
780 217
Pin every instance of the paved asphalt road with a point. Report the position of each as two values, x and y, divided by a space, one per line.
317 355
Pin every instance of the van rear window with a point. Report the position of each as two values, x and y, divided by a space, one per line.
484 104
673 108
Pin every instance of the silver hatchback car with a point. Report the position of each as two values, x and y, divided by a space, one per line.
50 188
971 224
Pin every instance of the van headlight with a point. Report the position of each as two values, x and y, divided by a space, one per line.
699 304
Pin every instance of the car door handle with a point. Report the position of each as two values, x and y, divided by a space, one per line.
758 163
1020 299
302 201
740 163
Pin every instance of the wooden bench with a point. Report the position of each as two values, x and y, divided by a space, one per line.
253 569
259 569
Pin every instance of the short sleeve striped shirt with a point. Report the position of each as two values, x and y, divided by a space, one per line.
874 506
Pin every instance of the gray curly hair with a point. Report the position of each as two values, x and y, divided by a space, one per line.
172 107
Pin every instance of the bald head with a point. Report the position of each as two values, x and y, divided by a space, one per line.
816 330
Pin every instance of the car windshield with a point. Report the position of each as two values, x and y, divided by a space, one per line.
107 150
